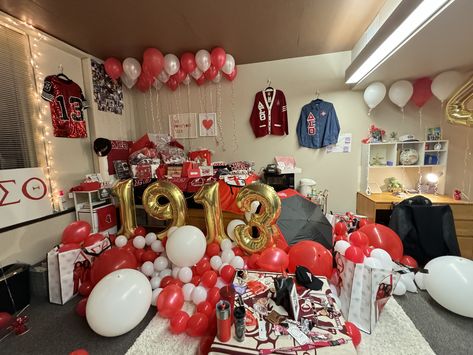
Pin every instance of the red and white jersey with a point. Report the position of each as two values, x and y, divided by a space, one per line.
66 102
269 115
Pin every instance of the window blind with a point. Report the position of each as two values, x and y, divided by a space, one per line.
17 107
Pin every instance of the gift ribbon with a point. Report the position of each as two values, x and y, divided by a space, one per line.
305 347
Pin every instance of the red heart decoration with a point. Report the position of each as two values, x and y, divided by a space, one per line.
207 124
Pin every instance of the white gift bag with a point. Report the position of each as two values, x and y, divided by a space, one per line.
363 292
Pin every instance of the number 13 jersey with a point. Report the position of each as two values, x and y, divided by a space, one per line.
67 103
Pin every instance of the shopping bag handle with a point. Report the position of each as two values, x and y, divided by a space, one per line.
90 253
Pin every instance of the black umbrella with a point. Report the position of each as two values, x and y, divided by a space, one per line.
302 219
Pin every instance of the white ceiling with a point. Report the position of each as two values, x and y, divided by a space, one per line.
445 43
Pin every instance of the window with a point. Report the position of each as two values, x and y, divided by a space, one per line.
17 107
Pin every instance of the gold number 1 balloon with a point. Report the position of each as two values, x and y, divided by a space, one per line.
457 110
264 220
208 196
124 192
175 210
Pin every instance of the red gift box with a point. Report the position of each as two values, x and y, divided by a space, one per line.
180 182
90 186
143 142
199 156
187 167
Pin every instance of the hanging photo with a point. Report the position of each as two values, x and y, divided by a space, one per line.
183 125
207 124
108 93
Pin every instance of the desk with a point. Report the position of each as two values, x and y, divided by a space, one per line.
462 213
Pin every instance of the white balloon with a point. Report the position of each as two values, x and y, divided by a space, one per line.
157 246
229 64
150 238
383 257
400 289
171 64
372 263
118 302
165 272
227 256
139 242
187 80
409 283
157 84
231 227
172 230
220 283
450 283
154 296
197 73
199 294
185 274
419 279
163 77
237 262
161 263
341 246
121 241
215 262
401 92
129 82
186 246
132 68
226 244
217 78
155 282
374 94
445 84
187 291
147 268
175 272
202 59
155 274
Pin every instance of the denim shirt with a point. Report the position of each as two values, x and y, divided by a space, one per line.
318 125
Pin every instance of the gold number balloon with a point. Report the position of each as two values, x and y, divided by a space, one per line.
124 192
457 110
208 197
174 210
264 220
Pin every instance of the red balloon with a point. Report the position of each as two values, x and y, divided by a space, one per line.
314 256
422 91
367 250
178 322
212 250
79 352
237 251
81 306
195 280
170 300
176 282
197 324
209 278
218 57
232 75
353 332
354 254
92 239
384 238
409 261
253 261
206 308
76 232
213 295
153 61
109 261
359 239
5 319
67 247
340 228
211 73
166 280
85 288
227 273
273 259
172 83
139 231
113 68
205 344
363 222
340 237
202 266
138 254
200 81
179 76
212 328
148 255
188 62
145 80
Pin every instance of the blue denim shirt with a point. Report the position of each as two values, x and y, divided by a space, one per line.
318 125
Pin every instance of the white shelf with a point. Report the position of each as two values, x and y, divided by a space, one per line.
435 151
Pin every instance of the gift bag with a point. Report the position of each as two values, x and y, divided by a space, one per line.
363 292
67 270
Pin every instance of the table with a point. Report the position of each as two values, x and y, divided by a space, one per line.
462 213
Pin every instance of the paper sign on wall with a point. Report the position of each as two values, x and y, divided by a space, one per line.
207 124
24 196
183 125
343 144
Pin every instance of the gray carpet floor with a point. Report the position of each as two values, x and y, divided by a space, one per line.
56 329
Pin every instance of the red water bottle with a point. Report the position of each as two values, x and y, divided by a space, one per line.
224 322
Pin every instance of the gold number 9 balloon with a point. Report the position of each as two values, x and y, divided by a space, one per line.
457 110
264 220
124 192
175 209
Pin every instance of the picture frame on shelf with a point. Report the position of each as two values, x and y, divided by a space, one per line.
433 134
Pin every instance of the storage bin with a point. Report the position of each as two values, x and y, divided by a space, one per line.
14 288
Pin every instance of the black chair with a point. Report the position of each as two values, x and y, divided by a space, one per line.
426 231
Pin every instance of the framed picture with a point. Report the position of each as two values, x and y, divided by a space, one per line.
207 124
183 125
122 169
433 134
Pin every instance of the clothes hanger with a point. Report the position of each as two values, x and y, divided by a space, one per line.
61 73
317 94
269 88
